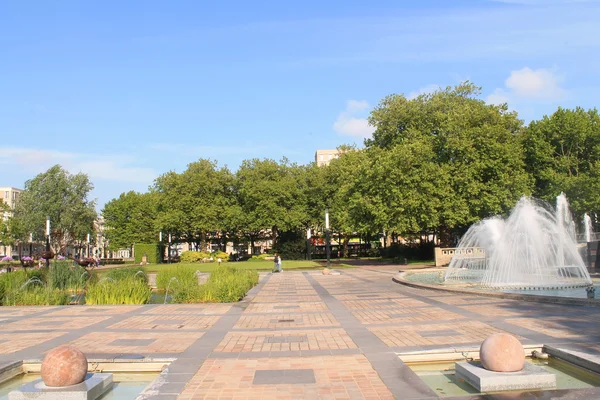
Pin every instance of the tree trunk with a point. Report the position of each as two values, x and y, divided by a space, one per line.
224 241
274 233
345 246
203 241
445 236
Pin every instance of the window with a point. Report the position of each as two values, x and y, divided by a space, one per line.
6 194
321 157
330 156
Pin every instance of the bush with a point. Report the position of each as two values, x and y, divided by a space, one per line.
126 291
120 274
184 276
36 296
16 279
260 257
225 285
220 254
193 256
153 251
64 275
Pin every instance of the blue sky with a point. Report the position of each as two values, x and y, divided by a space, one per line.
126 91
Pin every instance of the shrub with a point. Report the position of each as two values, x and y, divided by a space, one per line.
225 285
260 257
193 256
153 251
119 274
126 291
36 296
65 275
16 279
184 276
222 255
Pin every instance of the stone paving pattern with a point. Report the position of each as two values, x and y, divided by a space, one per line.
296 335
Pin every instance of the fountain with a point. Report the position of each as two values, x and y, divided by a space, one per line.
588 228
534 248
64 376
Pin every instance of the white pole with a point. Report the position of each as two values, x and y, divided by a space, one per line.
326 219
88 238
47 226
308 234
169 238
160 236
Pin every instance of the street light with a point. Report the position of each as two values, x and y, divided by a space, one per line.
327 246
88 245
169 250
48 242
308 236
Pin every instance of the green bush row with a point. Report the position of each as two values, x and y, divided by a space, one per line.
153 251
178 275
225 285
260 257
198 256
129 290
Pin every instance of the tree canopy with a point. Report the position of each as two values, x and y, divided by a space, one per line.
64 198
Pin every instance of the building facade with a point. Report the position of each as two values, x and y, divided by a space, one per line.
9 196
324 157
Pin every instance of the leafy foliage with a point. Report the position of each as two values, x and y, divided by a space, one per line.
153 253
64 275
36 296
177 276
226 284
125 291
131 218
64 198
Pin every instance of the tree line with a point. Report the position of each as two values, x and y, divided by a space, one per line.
435 164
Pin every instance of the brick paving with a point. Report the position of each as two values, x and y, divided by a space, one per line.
296 335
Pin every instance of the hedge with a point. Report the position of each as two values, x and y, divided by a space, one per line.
153 251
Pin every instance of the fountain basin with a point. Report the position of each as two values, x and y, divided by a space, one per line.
430 280
94 386
130 378
437 370
530 377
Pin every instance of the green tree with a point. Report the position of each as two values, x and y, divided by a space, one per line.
64 198
562 152
271 196
130 219
473 145
197 202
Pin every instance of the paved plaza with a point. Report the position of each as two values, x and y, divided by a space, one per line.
296 335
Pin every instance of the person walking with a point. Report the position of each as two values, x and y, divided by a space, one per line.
277 261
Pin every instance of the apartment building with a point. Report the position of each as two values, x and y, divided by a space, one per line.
9 195
324 157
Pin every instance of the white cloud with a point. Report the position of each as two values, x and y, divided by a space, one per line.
115 168
348 123
529 85
424 90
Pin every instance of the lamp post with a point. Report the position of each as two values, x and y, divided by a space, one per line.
88 245
308 236
169 251
48 242
327 246
160 246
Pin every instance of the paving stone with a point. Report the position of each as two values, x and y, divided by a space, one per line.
284 376
287 339
131 342
447 332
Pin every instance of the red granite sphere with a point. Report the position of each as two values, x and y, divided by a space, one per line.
64 366
502 352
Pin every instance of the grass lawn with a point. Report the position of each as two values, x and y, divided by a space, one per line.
254 265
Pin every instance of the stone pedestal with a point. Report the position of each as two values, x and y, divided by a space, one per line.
530 377
94 386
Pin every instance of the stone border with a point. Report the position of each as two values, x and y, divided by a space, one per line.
400 278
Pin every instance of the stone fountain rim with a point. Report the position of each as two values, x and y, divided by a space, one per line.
400 278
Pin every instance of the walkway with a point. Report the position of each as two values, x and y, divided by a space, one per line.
297 335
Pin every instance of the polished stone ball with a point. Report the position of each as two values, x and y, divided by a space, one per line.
64 366
502 352
326 271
